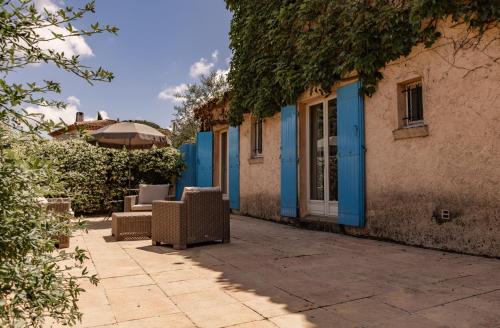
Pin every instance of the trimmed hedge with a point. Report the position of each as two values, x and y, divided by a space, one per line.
92 176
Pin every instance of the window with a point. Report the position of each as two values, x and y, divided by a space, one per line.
256 138
410 111
413 113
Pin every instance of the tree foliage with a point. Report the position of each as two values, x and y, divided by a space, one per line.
26 31
36 282
283 48
211 88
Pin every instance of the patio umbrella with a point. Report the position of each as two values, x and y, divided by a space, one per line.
129 134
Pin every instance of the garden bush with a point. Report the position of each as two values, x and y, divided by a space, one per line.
32 283
92 176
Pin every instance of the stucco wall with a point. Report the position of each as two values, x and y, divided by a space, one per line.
455 167
409 181
260 179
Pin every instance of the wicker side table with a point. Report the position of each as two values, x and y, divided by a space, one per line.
131 224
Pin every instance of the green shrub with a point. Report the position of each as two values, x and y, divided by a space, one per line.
156 165
92 176
35 281
82 169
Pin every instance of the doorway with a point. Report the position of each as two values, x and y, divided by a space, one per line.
322 158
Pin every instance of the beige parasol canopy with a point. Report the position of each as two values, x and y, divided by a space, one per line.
129 134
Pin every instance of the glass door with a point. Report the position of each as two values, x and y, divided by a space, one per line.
322 143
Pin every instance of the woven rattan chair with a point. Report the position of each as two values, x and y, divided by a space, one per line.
202 215
132 203
61 206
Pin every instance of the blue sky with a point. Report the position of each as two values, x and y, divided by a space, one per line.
161 45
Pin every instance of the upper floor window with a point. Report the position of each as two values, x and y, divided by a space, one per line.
413 109
256 135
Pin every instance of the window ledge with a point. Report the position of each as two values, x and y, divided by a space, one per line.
411 132
256 160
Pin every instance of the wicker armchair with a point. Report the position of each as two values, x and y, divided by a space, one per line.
133 204
129 201
60 206
202 215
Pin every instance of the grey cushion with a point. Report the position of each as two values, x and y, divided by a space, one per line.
148 193
142 208
190 189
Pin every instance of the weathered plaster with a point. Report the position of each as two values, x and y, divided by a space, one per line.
455 167
414 218
260 180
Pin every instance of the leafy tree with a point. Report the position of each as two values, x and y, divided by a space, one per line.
212 88
25 35
35 281
283 48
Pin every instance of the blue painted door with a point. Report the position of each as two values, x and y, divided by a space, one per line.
351 155
289 161
188 177
234 167
204 151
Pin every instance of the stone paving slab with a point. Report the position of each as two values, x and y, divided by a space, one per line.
273 275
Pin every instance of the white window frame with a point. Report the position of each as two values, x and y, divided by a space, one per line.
324 207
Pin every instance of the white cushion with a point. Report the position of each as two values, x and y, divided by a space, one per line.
148 193
142 207
190 189
42 201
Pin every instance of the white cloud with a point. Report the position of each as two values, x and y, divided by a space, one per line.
201 67
66 115
50 6
73 100
71 46
215 55
170 93
57 115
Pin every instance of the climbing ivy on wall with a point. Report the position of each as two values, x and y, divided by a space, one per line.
281 48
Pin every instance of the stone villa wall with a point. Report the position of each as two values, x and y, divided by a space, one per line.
456 167
260 178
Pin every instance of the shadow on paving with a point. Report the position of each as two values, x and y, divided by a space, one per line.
98 224
279 276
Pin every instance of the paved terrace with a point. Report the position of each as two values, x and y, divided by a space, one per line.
273 275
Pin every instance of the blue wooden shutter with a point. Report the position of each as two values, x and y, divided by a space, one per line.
351 155
188 177
234 167
289 161
204 159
